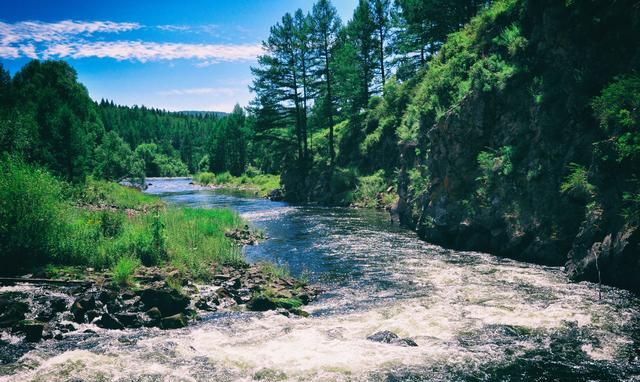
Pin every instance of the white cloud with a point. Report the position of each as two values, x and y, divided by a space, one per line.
153 51
229 92
174 28
204 64
9 52
71 39
28 50
37 31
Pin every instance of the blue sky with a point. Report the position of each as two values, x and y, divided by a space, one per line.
174 55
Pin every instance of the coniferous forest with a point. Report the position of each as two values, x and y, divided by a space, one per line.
509 127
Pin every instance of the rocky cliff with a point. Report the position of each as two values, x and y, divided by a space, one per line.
520 161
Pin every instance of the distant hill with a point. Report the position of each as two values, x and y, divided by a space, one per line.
201 113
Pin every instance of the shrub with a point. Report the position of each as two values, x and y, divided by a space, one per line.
223 178
124 270
205 178
577 182
111 223
30 212
368 188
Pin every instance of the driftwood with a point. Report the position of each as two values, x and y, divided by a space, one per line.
15 280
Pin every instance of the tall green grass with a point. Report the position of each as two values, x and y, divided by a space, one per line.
104 225
30 214
252 180
96 192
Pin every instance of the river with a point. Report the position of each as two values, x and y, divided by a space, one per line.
475 317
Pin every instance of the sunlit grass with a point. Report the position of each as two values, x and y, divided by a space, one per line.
262 183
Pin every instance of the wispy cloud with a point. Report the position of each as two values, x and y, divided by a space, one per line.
71 39
174 28
153 51
37 31
220 91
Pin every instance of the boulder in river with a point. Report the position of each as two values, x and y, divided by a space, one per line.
31 329
168 300
81 306
11 312
176 321
261 303
108 321
388 337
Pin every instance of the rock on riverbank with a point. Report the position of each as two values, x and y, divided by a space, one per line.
160 299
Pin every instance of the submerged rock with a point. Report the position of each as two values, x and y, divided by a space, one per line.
176 321
388 337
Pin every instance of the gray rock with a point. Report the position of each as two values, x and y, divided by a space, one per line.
388 337
168 300
108 321
176 321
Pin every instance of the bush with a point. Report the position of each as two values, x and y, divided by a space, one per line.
368 189
223 178
205 178
577 182
30 211
124 270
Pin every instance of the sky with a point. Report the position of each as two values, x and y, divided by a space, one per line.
172 55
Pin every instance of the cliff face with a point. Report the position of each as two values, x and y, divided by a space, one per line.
518 163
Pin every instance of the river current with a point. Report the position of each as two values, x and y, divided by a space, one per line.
475 317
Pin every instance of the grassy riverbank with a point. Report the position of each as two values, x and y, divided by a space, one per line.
105 226
250 181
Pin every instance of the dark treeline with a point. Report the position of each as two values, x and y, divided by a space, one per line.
47 117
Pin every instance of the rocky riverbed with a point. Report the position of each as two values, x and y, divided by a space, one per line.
50 309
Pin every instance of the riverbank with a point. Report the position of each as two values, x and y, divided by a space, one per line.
110 256
262 185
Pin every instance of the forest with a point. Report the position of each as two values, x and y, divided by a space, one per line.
503 126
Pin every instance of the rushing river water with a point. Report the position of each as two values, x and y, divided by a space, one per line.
474 316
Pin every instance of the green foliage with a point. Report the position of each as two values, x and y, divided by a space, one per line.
512 39
496 163
275 271
109 226
205 178
223 178
368 188
195 239
618 107
157 163
618 110
114 159
252 180
419 183
111 223
631 209
50 106
30 212
103 193
124 270
577 182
